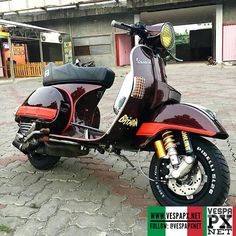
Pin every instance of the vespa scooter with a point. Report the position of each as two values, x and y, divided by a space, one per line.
62 118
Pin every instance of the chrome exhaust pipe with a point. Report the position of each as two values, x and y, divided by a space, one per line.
23 147
17 144
23 143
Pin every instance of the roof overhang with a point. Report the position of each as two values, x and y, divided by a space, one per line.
13 24
23 32
183 16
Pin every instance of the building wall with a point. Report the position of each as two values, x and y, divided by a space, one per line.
95 32
229 30
91 28
229 12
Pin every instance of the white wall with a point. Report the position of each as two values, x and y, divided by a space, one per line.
219 33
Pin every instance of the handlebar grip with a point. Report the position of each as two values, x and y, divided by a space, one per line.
119 25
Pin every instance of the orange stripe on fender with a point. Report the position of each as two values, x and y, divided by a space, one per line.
39 112
151 129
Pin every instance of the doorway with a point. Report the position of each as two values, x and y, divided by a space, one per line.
124 44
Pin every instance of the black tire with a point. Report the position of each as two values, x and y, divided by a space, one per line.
213 192
42 162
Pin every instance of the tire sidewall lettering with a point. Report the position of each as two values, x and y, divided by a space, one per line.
212 169
157 183
214 188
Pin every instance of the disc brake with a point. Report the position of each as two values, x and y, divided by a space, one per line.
186 186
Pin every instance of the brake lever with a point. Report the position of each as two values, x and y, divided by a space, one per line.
174 57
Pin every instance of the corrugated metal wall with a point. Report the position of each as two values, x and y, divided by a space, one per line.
229 43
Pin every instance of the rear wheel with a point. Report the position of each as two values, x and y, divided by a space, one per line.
42 162
207 184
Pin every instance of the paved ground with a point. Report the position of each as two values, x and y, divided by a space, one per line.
98 195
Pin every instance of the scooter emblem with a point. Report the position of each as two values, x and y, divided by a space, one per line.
128 121
46 73
139 61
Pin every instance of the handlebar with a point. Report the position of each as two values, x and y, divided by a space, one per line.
120 25
143 32
134 29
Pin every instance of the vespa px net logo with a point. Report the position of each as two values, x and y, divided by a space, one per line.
191 221
220 221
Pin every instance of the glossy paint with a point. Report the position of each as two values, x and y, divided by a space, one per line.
191 117
72 101
47 97
84 99
146 65
183 117
153 128
71 109
140 119
155 30
37 112
45 100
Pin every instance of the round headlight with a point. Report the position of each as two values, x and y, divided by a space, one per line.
167 36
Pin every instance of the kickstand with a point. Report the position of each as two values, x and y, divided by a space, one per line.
124 158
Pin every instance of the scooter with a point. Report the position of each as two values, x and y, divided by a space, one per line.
62 118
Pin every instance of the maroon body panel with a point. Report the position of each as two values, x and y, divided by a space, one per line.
155 30
85 98
151 106
48 98
73 102
136 110
183 117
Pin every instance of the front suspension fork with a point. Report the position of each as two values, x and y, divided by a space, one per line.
187 143
167 148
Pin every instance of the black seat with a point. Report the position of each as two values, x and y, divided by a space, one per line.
70 73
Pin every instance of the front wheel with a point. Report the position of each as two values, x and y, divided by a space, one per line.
207 184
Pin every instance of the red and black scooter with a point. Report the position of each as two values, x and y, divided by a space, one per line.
62 119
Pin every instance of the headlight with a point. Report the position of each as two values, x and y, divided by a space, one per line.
167 36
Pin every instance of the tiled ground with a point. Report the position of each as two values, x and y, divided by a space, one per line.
99 194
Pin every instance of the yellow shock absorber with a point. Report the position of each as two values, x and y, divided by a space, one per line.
160 150
170 147
168 140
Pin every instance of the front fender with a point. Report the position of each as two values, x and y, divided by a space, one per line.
185 117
